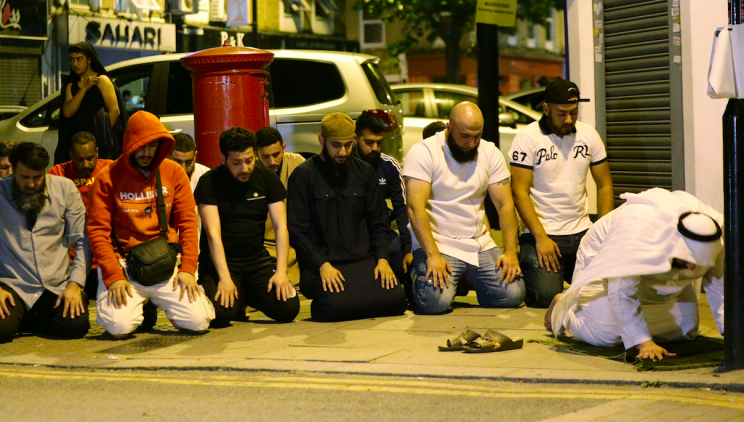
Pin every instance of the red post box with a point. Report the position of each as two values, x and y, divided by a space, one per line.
228 90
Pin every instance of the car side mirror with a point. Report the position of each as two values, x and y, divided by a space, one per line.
507 119
54 119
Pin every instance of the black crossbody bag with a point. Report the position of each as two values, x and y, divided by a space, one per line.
154 261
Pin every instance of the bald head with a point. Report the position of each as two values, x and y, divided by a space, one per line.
467 115
464 131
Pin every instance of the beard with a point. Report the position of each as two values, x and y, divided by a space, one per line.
460 155
337 167
31 203
373 158
564 130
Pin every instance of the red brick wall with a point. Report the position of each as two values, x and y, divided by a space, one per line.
422 69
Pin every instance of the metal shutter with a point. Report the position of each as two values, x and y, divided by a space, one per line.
639 93
20 75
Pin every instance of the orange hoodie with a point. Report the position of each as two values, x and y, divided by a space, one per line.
122 195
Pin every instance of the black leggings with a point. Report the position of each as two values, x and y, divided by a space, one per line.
50 319
362 297
251 278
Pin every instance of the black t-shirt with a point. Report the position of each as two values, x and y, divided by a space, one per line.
243 208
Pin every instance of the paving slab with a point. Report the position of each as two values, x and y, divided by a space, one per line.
404 345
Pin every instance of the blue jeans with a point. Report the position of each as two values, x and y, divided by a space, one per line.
491 290
543 285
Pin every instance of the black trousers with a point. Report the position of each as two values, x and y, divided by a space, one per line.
251 277
49 320
542 285
362 297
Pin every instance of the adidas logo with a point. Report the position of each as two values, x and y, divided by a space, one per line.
383 181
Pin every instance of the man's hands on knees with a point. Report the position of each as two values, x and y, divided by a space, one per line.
5 296
385 274
547 253
331 278
284 288
509 263
188 285
73 300
651 350
227 293
118 291
438 271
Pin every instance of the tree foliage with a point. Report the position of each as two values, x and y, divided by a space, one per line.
445 19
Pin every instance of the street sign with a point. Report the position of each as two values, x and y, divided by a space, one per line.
497 12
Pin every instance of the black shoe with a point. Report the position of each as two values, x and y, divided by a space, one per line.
150 314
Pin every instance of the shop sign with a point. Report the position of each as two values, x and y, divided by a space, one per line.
23 19
117 33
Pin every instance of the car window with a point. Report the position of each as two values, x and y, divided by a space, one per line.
379 84
446 100
38 117
412 101
179 90
297 83
132 83
519 117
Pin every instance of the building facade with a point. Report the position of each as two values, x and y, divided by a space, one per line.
527 53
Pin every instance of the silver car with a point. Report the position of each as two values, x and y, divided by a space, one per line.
303 87
426 103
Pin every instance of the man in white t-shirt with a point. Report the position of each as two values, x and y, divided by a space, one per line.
447 178
184 153
550 160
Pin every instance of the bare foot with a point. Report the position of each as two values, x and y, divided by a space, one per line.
549 313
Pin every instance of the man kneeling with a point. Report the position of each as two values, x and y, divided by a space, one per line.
338 225
138 198
638 272
41 217
234 266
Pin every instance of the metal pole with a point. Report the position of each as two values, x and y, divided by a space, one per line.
733 158
254 12
565 39
733 194
488 95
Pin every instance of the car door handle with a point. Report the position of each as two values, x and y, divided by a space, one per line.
175 131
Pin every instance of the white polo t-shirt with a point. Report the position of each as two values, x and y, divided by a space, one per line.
455 206
560 166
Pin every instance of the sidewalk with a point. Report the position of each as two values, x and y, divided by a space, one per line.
404 345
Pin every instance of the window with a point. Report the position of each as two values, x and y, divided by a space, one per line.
298 83
379 84
133 83
412 102
550 34
532 36
80 3
519 117
446 100
180 90
294 16
38 118
372 31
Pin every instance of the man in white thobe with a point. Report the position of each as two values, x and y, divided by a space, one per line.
639 272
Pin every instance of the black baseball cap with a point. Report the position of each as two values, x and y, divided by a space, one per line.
560 91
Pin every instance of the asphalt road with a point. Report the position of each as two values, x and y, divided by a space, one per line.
43 394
